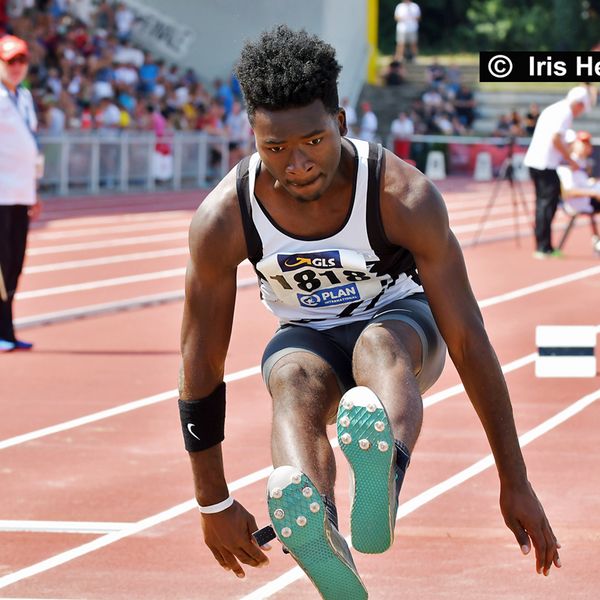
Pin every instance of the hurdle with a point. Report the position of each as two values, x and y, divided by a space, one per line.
566 351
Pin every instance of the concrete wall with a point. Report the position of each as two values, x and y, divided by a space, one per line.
208 34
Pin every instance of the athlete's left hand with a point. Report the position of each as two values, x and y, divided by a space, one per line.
525 517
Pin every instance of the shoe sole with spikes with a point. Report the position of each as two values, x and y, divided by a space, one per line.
367 441
300 521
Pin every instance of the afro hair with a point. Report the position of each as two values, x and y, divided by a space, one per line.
288 69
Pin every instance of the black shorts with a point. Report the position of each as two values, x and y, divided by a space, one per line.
335 345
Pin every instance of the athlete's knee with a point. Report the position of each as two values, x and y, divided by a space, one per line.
299 376
392 344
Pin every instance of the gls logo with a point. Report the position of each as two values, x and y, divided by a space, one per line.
319 260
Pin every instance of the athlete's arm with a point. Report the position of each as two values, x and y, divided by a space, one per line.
217 246
415 217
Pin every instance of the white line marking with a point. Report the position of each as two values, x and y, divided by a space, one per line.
101 244
61 526
111 412
490 224
269 589
105 260
538 287
112 229
101 283
289 577
59 221
483 304
110 307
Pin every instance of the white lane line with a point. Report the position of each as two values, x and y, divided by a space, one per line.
410 506
101 283
61 526
490 224
111 412
539 287
90 310
101 244
105 260
112 229
482 304
284 580
62 222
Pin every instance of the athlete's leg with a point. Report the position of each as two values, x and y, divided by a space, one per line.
387 358
305 394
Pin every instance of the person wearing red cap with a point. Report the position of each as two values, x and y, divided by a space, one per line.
18 161
581 192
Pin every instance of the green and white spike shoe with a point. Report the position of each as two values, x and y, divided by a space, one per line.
300 520
367 441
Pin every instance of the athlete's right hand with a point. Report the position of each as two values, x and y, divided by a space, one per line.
228 534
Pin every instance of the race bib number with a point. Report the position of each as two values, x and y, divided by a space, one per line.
319 279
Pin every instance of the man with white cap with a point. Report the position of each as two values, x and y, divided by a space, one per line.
546 151
18 161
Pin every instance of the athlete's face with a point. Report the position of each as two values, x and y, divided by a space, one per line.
300 147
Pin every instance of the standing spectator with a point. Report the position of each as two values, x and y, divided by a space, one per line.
54 117
368 123
351 118
239 133
402 127
545 152
18 197
148 74
407 15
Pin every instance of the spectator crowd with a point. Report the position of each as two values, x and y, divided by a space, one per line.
93 77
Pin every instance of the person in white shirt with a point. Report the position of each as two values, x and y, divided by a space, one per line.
18 163
368 123
581 193
407 16
546 151
402 127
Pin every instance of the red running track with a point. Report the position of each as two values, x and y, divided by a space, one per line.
97 505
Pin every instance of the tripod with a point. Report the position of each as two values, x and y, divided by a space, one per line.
517 195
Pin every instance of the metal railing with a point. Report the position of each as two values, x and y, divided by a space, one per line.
99 162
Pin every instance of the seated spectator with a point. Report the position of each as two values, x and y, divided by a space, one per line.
516 124
581 193
107 116
436 74
502 127
395 74
432 100
531 118
464 105
148 74
124 20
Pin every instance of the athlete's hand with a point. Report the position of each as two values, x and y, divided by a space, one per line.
228 534
525 517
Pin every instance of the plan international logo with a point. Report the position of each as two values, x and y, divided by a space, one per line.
330 296
319 260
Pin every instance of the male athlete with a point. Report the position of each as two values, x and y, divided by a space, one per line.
355 257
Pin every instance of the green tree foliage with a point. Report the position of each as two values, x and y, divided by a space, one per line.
474 25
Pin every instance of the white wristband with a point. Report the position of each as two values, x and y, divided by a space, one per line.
216 508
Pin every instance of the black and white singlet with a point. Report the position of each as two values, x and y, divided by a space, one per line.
329 281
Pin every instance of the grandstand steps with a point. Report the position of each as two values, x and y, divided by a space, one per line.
387 102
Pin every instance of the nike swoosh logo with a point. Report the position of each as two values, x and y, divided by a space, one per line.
189 428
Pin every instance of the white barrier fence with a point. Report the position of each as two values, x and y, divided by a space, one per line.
94 163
